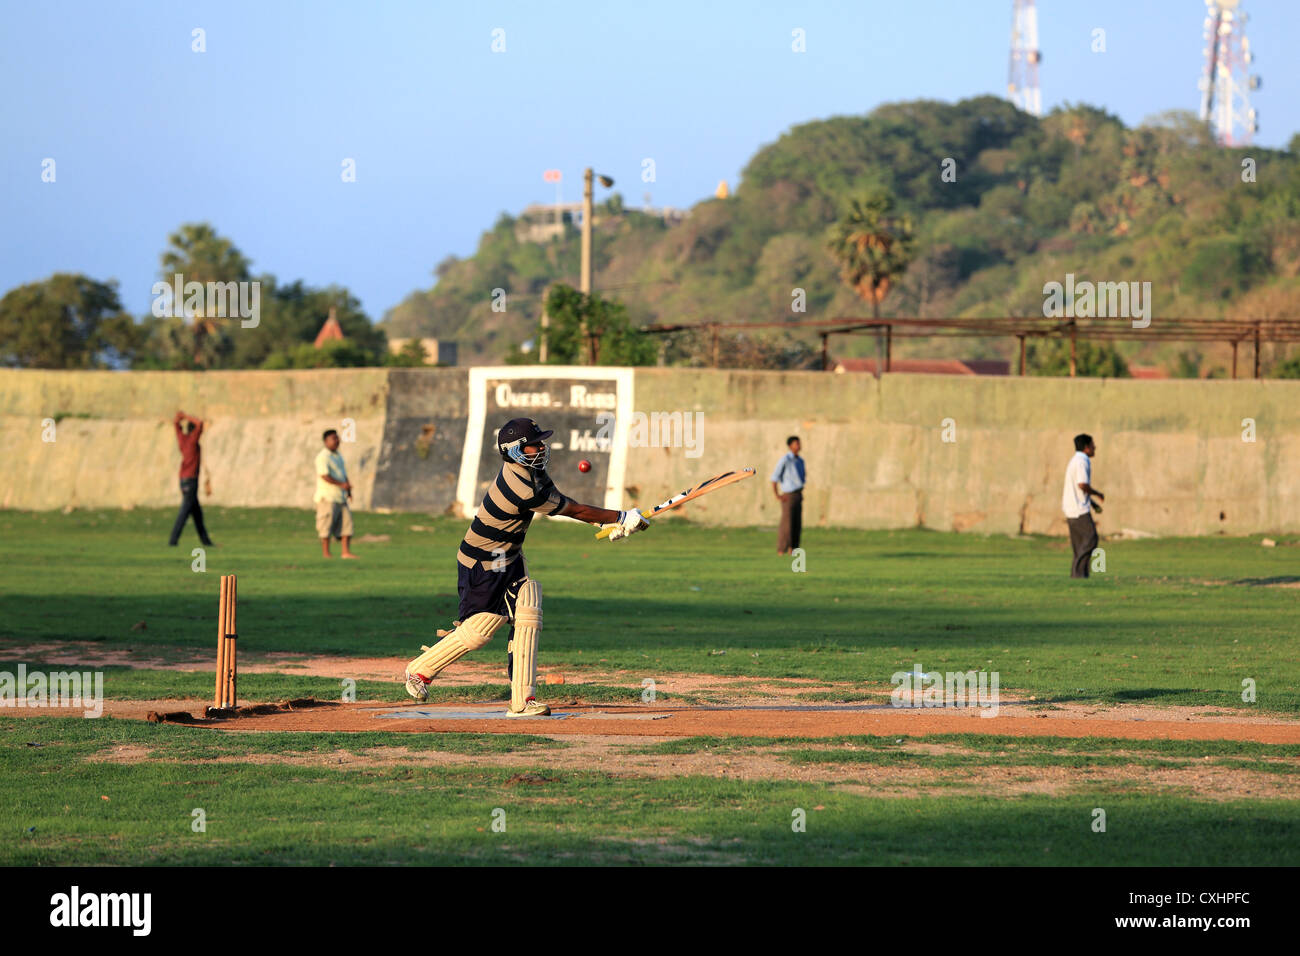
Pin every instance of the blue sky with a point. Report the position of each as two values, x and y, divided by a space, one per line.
446 134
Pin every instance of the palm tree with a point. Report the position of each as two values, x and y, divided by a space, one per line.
199 254
873 245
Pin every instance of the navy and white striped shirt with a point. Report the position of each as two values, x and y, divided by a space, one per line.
496 535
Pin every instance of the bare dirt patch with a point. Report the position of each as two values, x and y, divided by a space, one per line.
609 754
712 690
1207 783
737 706
640 721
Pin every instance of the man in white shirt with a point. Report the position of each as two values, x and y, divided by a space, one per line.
1077 503
333 516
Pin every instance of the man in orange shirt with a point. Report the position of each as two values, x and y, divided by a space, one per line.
187 437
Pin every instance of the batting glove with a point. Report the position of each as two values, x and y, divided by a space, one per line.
629 522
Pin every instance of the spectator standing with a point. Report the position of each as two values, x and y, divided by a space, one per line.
787 484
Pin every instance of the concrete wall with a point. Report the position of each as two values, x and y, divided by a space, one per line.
423 440
1171 457
115 447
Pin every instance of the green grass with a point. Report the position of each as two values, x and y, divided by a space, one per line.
1170 622
58 806
1149 630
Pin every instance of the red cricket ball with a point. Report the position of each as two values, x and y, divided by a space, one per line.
584 466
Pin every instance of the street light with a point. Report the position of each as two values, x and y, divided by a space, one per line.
585 277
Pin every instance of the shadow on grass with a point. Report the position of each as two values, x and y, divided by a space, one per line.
396 624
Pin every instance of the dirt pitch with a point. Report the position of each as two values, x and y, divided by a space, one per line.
736 706
637 741
722 716
789 720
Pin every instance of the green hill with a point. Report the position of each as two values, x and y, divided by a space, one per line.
1028 200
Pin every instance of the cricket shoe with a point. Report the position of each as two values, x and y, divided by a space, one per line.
530 709
417 686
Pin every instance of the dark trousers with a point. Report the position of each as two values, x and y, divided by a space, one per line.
1083 539
190 506
482 590
787 535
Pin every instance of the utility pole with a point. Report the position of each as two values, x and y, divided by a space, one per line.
550 176
584 281
584 278
546 330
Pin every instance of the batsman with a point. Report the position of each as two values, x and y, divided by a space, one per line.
493 579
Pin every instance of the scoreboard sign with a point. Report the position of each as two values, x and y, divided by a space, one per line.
589 409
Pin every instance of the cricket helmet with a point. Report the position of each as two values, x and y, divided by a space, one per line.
515 435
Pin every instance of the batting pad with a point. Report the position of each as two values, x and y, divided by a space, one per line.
528 625
469 636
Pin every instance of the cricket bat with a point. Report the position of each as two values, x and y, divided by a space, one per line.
703 488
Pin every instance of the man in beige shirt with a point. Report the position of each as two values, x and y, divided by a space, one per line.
333 492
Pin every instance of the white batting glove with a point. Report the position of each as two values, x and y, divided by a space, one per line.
629 522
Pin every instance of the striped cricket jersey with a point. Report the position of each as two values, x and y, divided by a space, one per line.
496 535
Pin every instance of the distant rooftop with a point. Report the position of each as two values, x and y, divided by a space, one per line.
330 330
1147 371
927 366
542 222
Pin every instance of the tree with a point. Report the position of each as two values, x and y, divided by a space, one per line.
873 245
696 348
291 314
1093 360
197 253
588 329
294 313
336 353
1288 369
1188 364
171 344
1224 267
410 355
67 321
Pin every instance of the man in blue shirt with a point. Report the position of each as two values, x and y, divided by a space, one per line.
787 485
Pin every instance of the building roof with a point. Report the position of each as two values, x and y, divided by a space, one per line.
1147 371
927 366
330 330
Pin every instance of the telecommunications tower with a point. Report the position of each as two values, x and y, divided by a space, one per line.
1227 82
1022 77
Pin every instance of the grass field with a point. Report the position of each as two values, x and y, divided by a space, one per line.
1170 624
